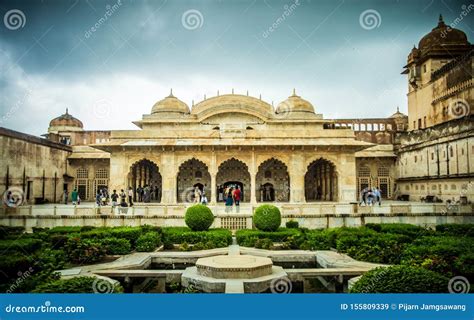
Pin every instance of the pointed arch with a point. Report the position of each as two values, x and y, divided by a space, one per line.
321 181
234 172
272 181
193 173
145 180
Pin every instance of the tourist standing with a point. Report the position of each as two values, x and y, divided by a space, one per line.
74 196
98 197
229 200
378 196
114 198
237 196
363 196
197 195
203 198
220 191
65 196
130 197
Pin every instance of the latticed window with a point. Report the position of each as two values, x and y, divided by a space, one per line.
102 174
82 173
364 172
383 172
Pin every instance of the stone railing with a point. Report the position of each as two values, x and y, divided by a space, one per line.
308 215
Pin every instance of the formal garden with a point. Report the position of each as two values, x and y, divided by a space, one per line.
421 259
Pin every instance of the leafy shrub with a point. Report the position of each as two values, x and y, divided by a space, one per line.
129 233
456 229
24 245
264 243
65 230
292 224
442 254
247 238
11 264
116 246
178 235
6 231
313 240
401 279
199 217
74 285
406 229
148 242
83 251
267 218
377 248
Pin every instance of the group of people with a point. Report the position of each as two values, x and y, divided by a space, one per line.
370 196
232 195
148 193
200 196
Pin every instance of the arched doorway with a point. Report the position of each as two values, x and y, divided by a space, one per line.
193 173
320 181
145 180
272 182
234 172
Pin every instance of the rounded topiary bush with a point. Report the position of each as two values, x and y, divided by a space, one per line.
267 218
401 279
199 217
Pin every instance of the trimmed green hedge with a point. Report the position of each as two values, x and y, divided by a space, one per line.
444 254
24 245
267 218
248 238
401 279
116 246
84 251
292 224
458 230
199 217
148 242
78 285
179 235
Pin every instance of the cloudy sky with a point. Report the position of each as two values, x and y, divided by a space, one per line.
110 61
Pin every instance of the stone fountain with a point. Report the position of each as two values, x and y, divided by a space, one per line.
233 273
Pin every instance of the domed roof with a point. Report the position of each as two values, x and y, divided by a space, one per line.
398 114
442 35
66 122
170 104
294 103
232 103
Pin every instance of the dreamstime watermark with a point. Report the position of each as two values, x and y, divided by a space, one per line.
281 285
459 284
459 108
101 285
187 195
14 19
22 276
110 10
13 197
102 108
16 107
192 19
370 19
288 10
465 11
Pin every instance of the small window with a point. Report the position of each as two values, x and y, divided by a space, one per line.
462 151
451 153
432 155
424 68
198 174
416 158
268 174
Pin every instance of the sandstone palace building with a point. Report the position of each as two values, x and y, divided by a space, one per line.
287 153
